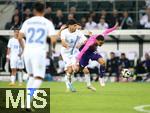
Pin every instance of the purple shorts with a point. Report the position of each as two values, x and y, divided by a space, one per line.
87 56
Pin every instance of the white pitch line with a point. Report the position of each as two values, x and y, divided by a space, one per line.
141 108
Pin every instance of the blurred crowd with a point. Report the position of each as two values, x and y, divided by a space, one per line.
93 20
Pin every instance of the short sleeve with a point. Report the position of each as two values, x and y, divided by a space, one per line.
83 37
62 35
51 29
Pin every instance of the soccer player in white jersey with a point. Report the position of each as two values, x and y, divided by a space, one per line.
36 30
71 39
14 51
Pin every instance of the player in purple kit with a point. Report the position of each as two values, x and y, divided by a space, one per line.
89 51
93 55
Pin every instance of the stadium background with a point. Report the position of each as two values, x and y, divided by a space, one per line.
129 14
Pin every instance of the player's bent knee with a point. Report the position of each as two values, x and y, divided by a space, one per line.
30 75
38 77
69 70
86 71
75 68
13 71
101 61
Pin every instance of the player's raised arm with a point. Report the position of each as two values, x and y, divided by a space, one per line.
107 31
92 40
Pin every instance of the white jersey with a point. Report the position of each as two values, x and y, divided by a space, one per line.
36 31
15 49
14 46
72 39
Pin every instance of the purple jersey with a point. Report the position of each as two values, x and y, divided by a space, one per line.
89 54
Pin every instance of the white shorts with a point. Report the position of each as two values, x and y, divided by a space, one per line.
16 62
35 62
20 63
69 59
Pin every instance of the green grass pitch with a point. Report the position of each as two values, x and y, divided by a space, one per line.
113 98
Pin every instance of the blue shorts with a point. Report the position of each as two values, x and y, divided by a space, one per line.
84 61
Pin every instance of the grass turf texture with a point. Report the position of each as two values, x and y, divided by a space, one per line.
114 98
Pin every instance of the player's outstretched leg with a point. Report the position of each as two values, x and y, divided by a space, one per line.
101 71
88 79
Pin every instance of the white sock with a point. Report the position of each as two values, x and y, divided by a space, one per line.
37 83
20 76
88 79
29 85
32 83
12 79
67 81
101 81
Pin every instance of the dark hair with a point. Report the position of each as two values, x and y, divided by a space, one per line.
100 38
123 54
79 24
112 53
39 7
72 22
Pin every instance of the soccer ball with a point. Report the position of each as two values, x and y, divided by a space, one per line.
126 73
